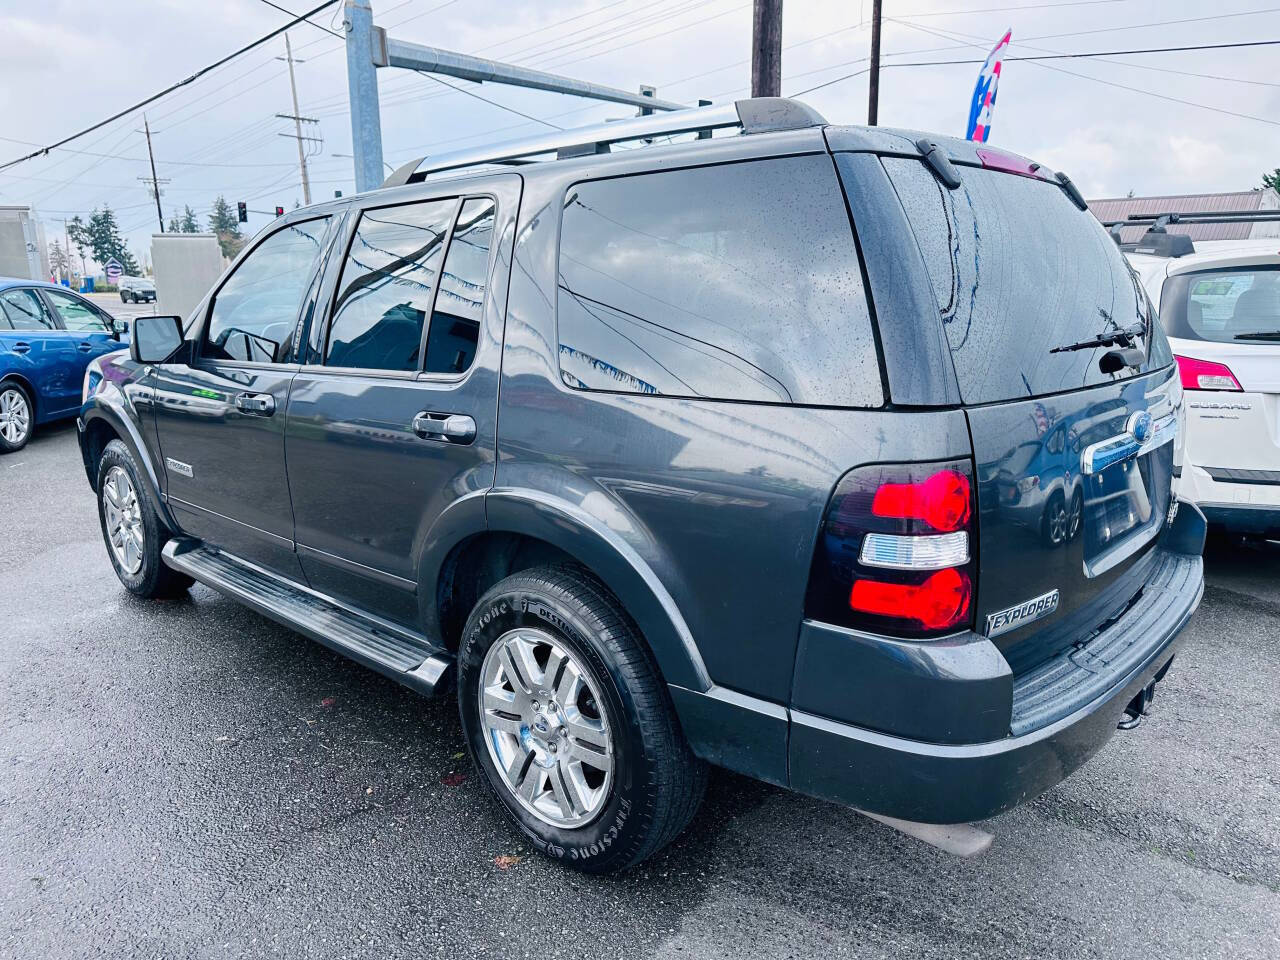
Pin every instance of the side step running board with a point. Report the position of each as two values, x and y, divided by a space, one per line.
391 650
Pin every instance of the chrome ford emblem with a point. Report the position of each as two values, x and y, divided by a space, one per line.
1139 426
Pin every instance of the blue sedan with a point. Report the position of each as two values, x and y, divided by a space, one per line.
48 335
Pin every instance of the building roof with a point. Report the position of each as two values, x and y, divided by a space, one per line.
1265 199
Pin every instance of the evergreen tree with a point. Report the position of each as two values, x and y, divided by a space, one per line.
189 222
103 236
59 260
79 236
173 226
226 225
1272 179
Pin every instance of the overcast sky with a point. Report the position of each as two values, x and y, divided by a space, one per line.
1114 126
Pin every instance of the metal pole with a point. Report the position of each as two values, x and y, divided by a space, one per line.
297 124
362 88
766 49
155 183
873 91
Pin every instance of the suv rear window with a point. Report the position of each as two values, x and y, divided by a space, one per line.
734 282
1017 270
1227 305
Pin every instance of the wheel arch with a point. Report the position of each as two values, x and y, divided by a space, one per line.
32 393
516 530
103 421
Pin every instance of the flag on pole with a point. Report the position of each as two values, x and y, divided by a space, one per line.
984 93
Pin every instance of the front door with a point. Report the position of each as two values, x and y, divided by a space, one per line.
220 417
398 420
87 331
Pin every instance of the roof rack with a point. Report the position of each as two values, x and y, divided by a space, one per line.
1159 242
758 115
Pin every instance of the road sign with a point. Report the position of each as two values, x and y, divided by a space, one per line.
114 270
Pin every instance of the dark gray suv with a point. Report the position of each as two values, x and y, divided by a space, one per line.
834 456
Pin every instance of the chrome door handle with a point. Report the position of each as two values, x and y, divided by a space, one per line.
451 427
21 347
262 404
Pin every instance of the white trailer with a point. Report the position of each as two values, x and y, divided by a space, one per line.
186 266
22 249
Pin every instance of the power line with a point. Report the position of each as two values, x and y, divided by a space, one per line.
495 103
181 83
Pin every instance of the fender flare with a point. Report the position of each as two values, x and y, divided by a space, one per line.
616 562
108 405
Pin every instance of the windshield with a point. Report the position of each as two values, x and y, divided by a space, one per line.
1228 305
1018 270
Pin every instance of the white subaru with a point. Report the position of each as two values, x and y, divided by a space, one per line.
1219 302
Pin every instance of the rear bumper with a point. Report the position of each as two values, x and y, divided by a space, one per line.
1243 518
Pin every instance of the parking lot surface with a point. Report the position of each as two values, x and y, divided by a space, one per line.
189 779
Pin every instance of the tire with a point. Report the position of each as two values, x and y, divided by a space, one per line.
1054 523
122 496
653 784
17 416
124 297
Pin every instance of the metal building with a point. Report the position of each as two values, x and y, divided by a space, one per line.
1262 199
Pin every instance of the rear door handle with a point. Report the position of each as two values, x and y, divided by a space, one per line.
257 404
85 346
21 347
450 427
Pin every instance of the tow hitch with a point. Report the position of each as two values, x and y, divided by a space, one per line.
1138 707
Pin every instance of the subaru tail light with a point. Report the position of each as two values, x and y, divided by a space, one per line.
1205 375
895 555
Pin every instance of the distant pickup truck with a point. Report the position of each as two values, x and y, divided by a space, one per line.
137 290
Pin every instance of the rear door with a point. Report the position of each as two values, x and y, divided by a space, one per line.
1074 465
1230 316
220 419
395 418
43 352
89 329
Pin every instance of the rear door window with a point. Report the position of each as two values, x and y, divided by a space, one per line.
26 311
1230 305
1017 270
733 282
77 315
387 286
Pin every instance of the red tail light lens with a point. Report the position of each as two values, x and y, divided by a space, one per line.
942 501
1205 375
896 551
942 601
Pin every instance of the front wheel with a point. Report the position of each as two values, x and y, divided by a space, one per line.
132 529
568 718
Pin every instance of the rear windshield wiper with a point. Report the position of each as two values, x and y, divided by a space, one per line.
1111 338
1259 335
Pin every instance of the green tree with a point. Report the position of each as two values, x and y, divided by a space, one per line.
189 222
224 223
78 234
59 260
103 236
173 226
1272 179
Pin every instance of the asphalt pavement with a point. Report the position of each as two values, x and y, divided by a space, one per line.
188 779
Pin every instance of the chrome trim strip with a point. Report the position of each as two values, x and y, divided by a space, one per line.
1105 453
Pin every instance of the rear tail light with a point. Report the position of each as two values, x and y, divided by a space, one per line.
895 555
1205 375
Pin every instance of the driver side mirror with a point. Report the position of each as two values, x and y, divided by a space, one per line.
155 339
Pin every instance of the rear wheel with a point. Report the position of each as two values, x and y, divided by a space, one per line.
566 715
132 529
17 417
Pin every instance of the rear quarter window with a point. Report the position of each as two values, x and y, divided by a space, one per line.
733 282
1017 269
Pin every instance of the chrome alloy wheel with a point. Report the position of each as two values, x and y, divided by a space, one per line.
546 728
15 416
124 519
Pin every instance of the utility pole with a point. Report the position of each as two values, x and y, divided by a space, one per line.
297 122
766 49
155 183
873 86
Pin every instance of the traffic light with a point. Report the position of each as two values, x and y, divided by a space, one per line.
242 211
279 211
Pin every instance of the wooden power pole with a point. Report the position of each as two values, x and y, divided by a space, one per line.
766 49
873 86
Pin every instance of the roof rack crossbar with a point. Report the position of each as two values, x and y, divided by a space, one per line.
760 115
1197 216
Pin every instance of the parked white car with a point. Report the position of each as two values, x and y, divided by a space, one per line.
1220 306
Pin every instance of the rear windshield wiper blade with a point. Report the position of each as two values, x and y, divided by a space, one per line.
1110 339
1259 335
